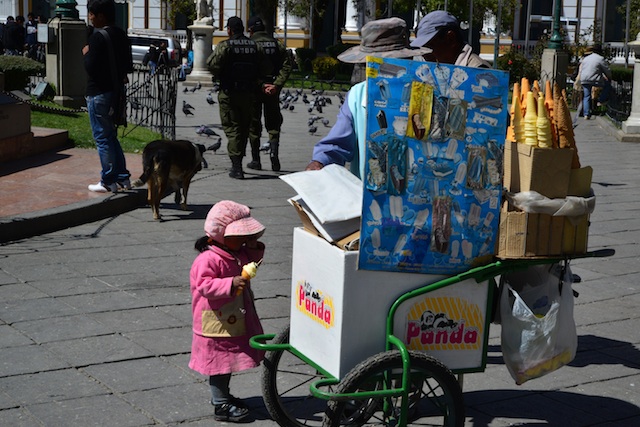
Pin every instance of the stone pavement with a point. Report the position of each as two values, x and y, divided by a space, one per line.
95 318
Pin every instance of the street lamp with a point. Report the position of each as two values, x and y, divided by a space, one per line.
67 9
555 42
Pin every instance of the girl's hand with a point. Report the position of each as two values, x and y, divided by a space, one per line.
238 285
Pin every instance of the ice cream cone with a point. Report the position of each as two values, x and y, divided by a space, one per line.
518 122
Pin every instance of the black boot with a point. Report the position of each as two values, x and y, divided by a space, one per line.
236 168
273 155
255 159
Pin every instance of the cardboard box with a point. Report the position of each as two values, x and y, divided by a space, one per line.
544 170
338 313
524 235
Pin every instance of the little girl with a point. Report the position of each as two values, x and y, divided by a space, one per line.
224 315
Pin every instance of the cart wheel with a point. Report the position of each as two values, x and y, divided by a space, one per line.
435 398
285 388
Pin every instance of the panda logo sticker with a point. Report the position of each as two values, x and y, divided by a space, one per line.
445 323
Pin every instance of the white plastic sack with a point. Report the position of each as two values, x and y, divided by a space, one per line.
534 202
538 331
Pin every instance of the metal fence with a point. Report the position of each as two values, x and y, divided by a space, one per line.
151 100
618 109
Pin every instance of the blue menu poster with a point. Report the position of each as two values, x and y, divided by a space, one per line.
433 171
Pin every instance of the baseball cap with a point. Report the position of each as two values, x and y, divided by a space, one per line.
386 38
235 24
255 23
431 24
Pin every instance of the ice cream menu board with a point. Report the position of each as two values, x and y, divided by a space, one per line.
433 171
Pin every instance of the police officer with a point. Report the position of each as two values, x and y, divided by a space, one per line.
281 63
241 67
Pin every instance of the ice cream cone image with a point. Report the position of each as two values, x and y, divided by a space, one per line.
530 121
544 126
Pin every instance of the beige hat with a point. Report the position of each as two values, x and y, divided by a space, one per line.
385 38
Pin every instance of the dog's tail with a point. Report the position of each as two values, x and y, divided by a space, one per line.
147 171
137 183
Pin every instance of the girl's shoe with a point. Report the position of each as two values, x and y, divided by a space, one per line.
231 411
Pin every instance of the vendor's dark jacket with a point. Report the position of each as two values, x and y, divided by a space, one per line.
97 62
277 55
240 64
13 37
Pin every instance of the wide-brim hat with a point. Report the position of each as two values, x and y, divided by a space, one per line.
385 38
228 218
431 24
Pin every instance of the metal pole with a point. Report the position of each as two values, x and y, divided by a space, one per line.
389 8
555 42
527 29
626 36
446 5
336 24
496 47
286 24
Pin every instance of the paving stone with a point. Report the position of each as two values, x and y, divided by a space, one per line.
18 417
105 411
63 328
164 341
28 359
50 386
75 286
138 375
93 350
33 309
137 319
11 337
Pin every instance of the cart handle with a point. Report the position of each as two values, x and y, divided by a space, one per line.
260 342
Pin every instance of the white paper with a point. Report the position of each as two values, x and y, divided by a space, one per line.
331 193
331 231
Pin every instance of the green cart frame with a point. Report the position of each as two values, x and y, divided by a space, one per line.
397 387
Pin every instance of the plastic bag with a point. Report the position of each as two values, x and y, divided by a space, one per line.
538 331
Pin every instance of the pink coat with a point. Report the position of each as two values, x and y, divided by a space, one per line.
211 277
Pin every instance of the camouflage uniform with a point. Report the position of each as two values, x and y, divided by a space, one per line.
281 63
240 66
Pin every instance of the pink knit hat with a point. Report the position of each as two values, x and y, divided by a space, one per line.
227 218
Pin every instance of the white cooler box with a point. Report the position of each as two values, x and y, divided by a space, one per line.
338 313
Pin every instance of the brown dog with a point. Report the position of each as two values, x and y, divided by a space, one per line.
169 164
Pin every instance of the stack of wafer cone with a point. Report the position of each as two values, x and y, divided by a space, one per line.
518 122
530 121
543 125
524 89
516 97
564 125
548 103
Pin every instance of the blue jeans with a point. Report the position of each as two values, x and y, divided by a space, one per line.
114 167
586 96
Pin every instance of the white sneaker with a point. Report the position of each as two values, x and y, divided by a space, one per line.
125 185
101 188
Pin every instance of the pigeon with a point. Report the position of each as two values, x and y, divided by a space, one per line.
198 86
193 89
185 90
313 129
186 105
291 107
215 146
135 104
187 112
205 130
305 99
210 99
325 122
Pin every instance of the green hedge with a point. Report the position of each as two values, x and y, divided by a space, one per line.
17 70
325 68
518 66
621 74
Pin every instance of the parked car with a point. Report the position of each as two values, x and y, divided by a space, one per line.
140 45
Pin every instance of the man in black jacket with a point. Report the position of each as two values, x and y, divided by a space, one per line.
106 79
14 36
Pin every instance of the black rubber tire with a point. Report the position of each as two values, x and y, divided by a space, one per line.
437 401
285 388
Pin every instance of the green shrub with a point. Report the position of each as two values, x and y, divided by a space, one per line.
325 68
621 74
336 49
304 56
17 70
518 66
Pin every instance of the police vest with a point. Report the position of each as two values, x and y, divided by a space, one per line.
272 52
242 72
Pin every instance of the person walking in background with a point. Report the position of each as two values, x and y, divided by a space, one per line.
222 303
241 67
387 38
151 58
106 78
440 31
269 100
31 38
14 36
594 72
